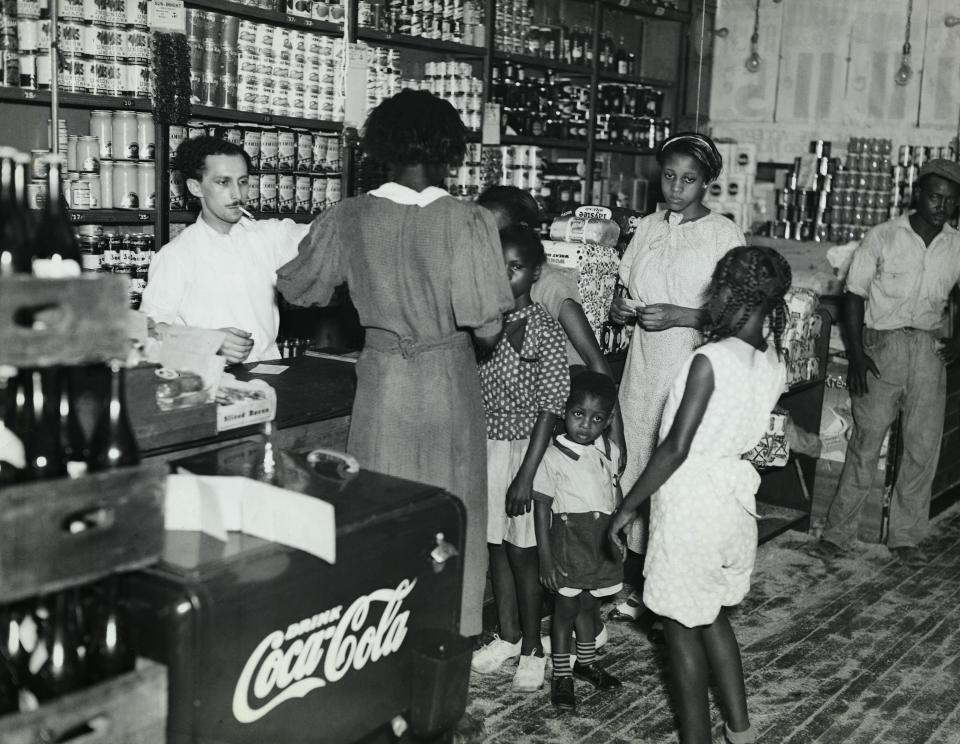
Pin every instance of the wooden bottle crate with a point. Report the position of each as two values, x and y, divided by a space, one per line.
121 510
48 322
129 709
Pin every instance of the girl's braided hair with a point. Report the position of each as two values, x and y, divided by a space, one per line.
754 277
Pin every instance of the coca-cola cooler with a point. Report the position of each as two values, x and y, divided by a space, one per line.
265 643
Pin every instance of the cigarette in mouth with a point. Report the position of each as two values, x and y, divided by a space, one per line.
245 213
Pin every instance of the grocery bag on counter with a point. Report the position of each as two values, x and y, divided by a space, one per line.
597 269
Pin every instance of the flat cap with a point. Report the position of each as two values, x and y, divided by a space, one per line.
942 167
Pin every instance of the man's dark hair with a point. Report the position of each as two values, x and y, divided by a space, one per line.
191 156
597 384
414 127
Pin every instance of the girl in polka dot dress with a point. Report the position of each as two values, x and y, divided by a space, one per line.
525 383
703 531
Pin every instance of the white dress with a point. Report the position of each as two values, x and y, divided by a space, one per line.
666 262
703 530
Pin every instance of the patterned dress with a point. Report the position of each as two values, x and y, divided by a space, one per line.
703 529
666 262
517 386
422 269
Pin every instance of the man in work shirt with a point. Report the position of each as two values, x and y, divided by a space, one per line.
220 272
897 291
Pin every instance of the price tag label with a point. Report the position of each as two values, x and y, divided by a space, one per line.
490 134
167 16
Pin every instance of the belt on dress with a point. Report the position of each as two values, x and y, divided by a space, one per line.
905 329
408 347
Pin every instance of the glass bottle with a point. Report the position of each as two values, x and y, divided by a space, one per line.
9 473
54 239
72 439
113 444
622 59
40 429
110 651
14 217
576 46
55 665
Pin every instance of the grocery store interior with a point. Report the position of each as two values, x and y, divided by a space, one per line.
131 518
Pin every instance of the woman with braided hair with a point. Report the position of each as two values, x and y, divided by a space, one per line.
666 269
703 532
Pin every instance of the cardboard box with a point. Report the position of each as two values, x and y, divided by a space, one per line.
242 404
743 159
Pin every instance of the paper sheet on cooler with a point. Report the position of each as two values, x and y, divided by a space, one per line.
216 505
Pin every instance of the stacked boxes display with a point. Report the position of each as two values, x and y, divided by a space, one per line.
732 193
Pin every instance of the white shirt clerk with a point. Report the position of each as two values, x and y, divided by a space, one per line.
205 279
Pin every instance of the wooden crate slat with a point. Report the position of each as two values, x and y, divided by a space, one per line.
84 320
129 709
38 553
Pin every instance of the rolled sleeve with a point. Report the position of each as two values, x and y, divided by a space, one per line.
544 487
863 267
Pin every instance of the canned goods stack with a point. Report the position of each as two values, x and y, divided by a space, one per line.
910 158
520 166
331 11
471 177
119 251
441 20
383 75
9 45
865 192
454 82
104 47
293 170
258 67
514 22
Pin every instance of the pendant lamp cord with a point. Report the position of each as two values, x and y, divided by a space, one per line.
703 32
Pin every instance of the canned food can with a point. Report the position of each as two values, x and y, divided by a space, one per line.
106 184
227 95
229 61
303 193
36 195
252 139
175 134
71 37
111 250
318 193
304 159
79 195
332 158
178 190
333 190
253 192
229 30
126 146
27 63
136 44
28 34
147 185
101 127
286 150
139 73
319 155
107 76
70 10
126 193
268 192
146 136
135 13
269 143
209 89
286 193
94 187
44 71
105 40
231 134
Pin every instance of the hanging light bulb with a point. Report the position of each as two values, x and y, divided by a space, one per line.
753 61
905 71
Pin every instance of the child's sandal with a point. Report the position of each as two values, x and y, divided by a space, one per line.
740 737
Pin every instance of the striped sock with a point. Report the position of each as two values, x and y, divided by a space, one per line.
586 652
562 665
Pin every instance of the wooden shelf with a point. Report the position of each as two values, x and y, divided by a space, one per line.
545 142
625 150
113 216
418 42
549 64
613 77
268 16
187 217
799 387
219 114
74 100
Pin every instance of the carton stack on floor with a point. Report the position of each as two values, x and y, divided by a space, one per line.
732 193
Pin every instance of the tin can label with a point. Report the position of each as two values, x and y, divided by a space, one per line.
268 192
253 192
333 190
136 44
178 191
70 10
304 162
286 193
303 193
318 193
107 75
251 145
177 134
286 150
71 37
269 145
141 79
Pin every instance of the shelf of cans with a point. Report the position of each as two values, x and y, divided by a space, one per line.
840 202
113 250
110 167
293 171
453 21
262 68
104 47
452 81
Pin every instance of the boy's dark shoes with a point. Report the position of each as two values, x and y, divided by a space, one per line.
910 556
561 693
599 678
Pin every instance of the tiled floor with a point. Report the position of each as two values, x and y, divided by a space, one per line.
860 650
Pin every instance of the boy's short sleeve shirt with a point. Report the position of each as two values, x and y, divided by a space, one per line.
582 479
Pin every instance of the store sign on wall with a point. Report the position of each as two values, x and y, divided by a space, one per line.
167 16
319 650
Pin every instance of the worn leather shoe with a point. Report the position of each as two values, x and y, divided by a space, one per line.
911 555
599 678
561 693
